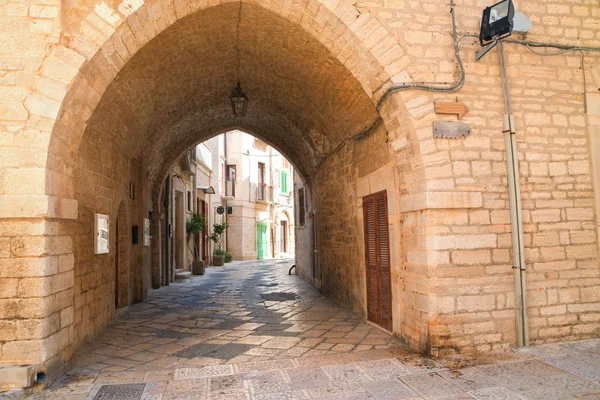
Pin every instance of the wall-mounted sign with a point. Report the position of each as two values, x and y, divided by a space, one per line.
146 232
451 107
220 210
450 129
101 237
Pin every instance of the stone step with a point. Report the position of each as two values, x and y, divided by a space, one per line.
182 274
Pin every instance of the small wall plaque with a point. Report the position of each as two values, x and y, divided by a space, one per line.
101 237
450 129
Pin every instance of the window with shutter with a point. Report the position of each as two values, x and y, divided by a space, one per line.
284 182
377 260
301 208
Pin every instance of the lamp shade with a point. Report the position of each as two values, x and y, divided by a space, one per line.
239 102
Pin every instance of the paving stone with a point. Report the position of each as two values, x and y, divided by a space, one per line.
228 351
386 369
264 365
571 384
291 395
337 389
346 373
262 382
546 394
433 386
576 366
467 379
187 343
281 343
204 372
307 378
196 350
506 376
389 390
495 393
131 391
163 333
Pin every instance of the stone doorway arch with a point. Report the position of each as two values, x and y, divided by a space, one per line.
94 150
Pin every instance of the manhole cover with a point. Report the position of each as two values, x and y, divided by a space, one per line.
268 284
278 296
130 391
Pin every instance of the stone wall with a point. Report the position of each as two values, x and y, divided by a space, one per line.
67 70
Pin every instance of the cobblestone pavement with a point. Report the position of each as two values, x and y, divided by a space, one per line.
250 331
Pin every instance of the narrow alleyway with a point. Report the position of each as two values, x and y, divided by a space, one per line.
249 330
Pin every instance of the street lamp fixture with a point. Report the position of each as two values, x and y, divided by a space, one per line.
497 22
239 102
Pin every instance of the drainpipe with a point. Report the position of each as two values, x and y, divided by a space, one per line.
516 219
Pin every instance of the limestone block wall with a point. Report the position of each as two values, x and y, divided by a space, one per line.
454 249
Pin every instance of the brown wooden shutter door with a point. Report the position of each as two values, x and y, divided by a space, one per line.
371 259
377 260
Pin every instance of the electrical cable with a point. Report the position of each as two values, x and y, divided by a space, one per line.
457 85
563 48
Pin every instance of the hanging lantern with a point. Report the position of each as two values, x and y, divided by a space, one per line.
239 102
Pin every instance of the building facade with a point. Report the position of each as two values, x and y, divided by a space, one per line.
96 97
257 196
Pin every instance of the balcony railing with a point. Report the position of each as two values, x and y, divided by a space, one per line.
229 187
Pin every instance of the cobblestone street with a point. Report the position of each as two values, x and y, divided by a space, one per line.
249 330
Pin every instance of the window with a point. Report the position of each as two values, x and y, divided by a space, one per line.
222 178
231 172
230 181
261 187
189 201
284 187
301 208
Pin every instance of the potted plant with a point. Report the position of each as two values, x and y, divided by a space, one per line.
194 227
217 237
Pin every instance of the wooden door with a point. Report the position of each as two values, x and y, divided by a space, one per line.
283 237
117 264
377 260
261 239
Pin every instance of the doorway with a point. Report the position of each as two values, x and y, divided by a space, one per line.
377 260
179 233
261 240
117 272
283 237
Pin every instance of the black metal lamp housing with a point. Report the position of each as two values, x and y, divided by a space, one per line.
497 22
239 102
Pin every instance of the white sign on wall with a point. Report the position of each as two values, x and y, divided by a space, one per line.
101 237
146 232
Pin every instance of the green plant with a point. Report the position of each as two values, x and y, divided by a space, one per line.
228 257
219 252
194 227
217 236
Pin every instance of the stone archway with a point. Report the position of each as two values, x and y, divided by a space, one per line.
94 153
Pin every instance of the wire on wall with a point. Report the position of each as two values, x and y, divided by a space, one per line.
453 87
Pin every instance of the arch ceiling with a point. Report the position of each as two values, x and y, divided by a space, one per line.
175 91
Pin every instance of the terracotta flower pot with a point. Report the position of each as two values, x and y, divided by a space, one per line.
198 267
218 261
